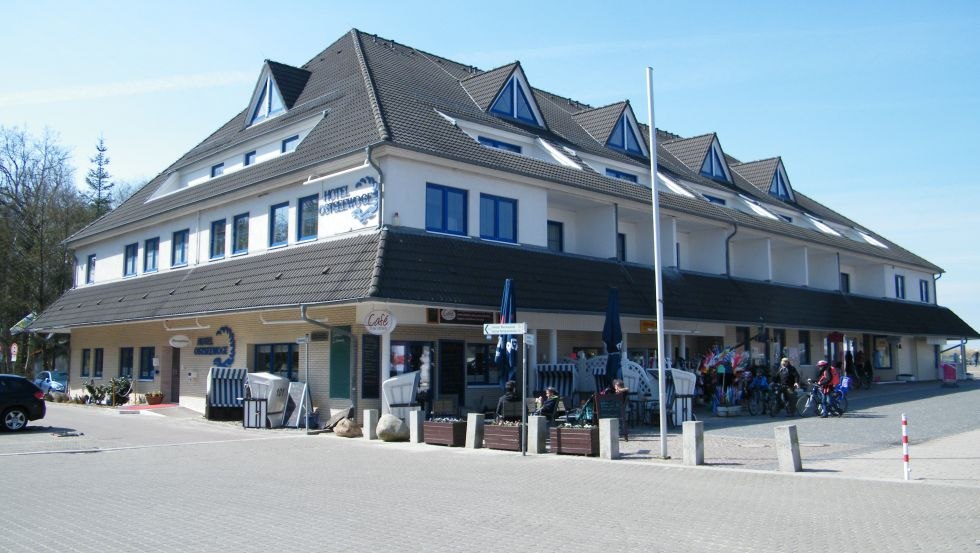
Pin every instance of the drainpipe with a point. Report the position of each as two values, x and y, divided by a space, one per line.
935 288
728 254
381 182
307 319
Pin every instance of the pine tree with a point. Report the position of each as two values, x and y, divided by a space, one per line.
98 181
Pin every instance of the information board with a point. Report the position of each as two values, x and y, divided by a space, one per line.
296 408
370 366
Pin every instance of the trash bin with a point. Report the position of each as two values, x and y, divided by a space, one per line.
256 413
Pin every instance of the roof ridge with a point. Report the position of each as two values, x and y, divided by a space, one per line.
374 289
369 86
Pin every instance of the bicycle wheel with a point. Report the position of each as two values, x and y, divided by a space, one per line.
755 404
841 402
774 404
803 406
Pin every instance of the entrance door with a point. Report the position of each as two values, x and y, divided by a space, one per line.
452 370
175 375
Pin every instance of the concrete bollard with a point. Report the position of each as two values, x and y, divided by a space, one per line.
609 438
415 429
370 427
474 430
693 443
537 435
788 449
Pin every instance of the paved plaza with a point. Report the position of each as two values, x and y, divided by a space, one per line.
91 479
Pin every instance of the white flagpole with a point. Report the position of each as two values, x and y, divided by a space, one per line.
654 199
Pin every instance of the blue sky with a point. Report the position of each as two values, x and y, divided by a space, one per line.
873 107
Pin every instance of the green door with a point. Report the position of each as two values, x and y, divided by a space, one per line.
340 362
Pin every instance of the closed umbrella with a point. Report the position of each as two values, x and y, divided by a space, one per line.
507 343
612 335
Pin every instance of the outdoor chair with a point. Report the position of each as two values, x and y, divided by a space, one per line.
399 394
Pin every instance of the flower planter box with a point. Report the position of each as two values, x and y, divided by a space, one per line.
575 441
154 399
452 434
506 437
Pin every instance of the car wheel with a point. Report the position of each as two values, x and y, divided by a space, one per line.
15 419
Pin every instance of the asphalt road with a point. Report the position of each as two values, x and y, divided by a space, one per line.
89 479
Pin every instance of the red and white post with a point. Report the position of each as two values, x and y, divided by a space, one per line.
905 447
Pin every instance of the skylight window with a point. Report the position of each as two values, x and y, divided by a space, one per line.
822 227
624 138
269 103
714 164
673 186
499 144
513 102
871 239
758 209
779 187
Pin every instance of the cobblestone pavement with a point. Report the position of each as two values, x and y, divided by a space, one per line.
87 479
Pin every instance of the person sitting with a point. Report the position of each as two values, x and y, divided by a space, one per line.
788 378
510 395
549 403
617 387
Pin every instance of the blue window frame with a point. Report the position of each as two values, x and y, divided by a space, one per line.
239 234
900 287
217 249
98 358
924 290
786 218
556 236
279 224
715 199
779 188
307 217
86 361
90 269
217 170
445 209
498 218
129 259
713 166
249 158
620 175
178 255
513 103
492 143
147 353
278 359
151 255
623 137
126 362
269 103
289 144
620 247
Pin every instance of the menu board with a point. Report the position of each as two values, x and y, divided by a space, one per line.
370 366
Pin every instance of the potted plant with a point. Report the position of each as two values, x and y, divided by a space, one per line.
154 398
450 431
504 435
574 440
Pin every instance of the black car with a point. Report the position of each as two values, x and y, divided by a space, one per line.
20 401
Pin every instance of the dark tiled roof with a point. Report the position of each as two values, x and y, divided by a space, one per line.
327 272
373 89
290 80
757 173
599 122
408 266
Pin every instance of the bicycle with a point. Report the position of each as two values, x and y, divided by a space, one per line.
813 402
778 401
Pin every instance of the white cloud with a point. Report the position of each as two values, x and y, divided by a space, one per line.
126 88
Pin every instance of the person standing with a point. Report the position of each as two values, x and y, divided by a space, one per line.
825 379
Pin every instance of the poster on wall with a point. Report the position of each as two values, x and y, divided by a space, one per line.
882 356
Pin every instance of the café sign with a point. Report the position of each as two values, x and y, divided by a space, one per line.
380 322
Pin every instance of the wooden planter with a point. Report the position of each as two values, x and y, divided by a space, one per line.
452 434
506 437
575 441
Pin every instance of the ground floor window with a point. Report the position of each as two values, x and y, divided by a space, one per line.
126 362
278 359
97 365
481 370
881 357
146 362
804 347
413 356
86 361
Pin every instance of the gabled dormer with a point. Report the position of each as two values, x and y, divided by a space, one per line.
614 126
276 91
505 92
769 176
701 154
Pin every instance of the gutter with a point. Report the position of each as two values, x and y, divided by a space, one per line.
728 251
381 181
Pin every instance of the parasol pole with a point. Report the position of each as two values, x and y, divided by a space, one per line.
655 200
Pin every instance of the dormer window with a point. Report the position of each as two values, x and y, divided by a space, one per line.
217 170
269 103
714 165
513 102
779 187
624 137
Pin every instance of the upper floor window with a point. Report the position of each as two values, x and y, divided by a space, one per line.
178 255
146 362
307 217
90 269
249 158
499 144
845 283
279 224
269 103
151 255
217 170
620 175
126 362
924 291
217 249
289 144
714 199
513 102
498 218
556 236
239 234
624 138
900 287
445 209
620 247
129 259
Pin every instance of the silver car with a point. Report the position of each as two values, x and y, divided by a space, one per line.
52 381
